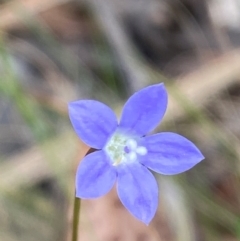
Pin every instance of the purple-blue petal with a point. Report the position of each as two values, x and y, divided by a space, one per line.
93 121
138 191
95 176
144 110
169 153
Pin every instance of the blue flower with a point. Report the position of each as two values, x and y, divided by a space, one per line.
125 154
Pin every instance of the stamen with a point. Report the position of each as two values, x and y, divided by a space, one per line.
131 144
132 156
122 149
141 150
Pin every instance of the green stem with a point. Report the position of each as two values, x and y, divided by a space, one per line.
76 214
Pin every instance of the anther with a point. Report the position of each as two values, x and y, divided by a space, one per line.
131 144
141 150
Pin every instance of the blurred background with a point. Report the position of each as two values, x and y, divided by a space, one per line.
53 52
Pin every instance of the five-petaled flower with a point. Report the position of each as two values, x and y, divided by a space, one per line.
124 152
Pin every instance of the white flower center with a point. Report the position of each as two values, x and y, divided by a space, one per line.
123 149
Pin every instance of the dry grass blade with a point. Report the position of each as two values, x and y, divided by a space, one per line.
50 159
200 86
9 19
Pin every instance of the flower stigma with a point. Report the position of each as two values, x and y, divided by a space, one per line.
123 149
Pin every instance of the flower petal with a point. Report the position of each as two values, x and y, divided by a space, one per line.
93 121
138 191
95 176
169 153
144 110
